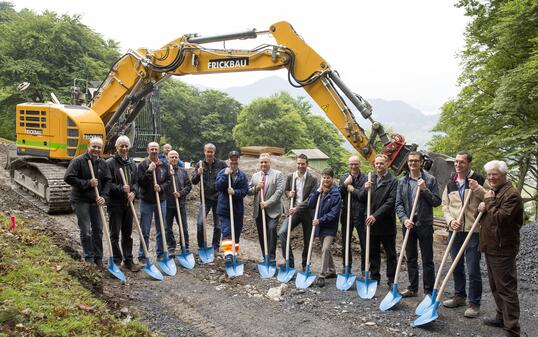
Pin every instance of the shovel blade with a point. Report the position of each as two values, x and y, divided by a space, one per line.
391 299
186 259
285 274
366 288
266 269
114 270
233 268
304 279
428 316
426 303
345 281
167 265
152 271
206 254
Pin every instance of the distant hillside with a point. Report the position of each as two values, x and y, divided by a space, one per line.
395 115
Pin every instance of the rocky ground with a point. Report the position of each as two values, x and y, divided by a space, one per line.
204 302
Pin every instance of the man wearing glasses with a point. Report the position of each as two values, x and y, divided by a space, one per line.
418 181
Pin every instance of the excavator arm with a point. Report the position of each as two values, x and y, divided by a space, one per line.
137 73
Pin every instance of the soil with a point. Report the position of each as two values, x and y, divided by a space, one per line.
205 302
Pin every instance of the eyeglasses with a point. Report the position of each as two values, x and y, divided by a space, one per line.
413 161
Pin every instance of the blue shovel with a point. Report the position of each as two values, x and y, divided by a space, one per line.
431 314
393 296
428 300
186 259
167 265
112 268
366 288
206 254
306 278
286 274
233 268
150 268
345 281
266 269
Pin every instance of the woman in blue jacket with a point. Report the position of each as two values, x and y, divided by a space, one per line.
326 223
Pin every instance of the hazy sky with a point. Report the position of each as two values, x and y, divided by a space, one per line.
395 50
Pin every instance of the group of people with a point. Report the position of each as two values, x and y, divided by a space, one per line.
316 206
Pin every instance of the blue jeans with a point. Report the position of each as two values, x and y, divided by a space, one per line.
147 211
210 205
91 230
226 227
472 261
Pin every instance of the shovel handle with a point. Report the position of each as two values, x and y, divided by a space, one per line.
264 223
313 231
135 218
180 221
458 257
203 202
451 242
406 237
101 210
368 213
348 218
288 238
163 234
231 214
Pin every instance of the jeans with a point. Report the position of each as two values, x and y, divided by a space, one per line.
305 219
91 230
147 211
210 205
171 214
271 235
361 231
423 236
121 221
226 227
389 244
327 264
472 261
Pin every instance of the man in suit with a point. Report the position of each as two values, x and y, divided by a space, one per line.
382 218
271 184
353 182
299 213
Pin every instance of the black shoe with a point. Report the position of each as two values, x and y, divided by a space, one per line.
331 275
99 263
142 261
130 265
409 293
494 322
320 282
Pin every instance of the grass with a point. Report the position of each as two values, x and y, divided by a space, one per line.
39 297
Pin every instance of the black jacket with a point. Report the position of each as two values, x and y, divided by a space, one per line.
429 198
145 181
78 176
118 198
210 176
183 186
310 184
383 204
358 208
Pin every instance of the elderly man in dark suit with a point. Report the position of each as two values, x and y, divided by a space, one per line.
300 213
271 183
382 219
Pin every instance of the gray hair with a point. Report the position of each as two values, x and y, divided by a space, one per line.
265 155
498 165
150 144
123 139
211 146
96 139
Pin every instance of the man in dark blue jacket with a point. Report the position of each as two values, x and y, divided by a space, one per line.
418 181
119 212
238 191
326 223
183 188
85 201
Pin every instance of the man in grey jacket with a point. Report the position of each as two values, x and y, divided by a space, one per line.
418 181
271 184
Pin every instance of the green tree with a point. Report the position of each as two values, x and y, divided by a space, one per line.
49 51
495 113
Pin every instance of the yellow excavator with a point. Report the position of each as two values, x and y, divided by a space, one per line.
51 134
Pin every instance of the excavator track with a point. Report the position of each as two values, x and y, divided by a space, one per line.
42 183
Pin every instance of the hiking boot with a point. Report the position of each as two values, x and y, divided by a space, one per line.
320 282
130 265
409 293
454 302
494 322
141 261
472 311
